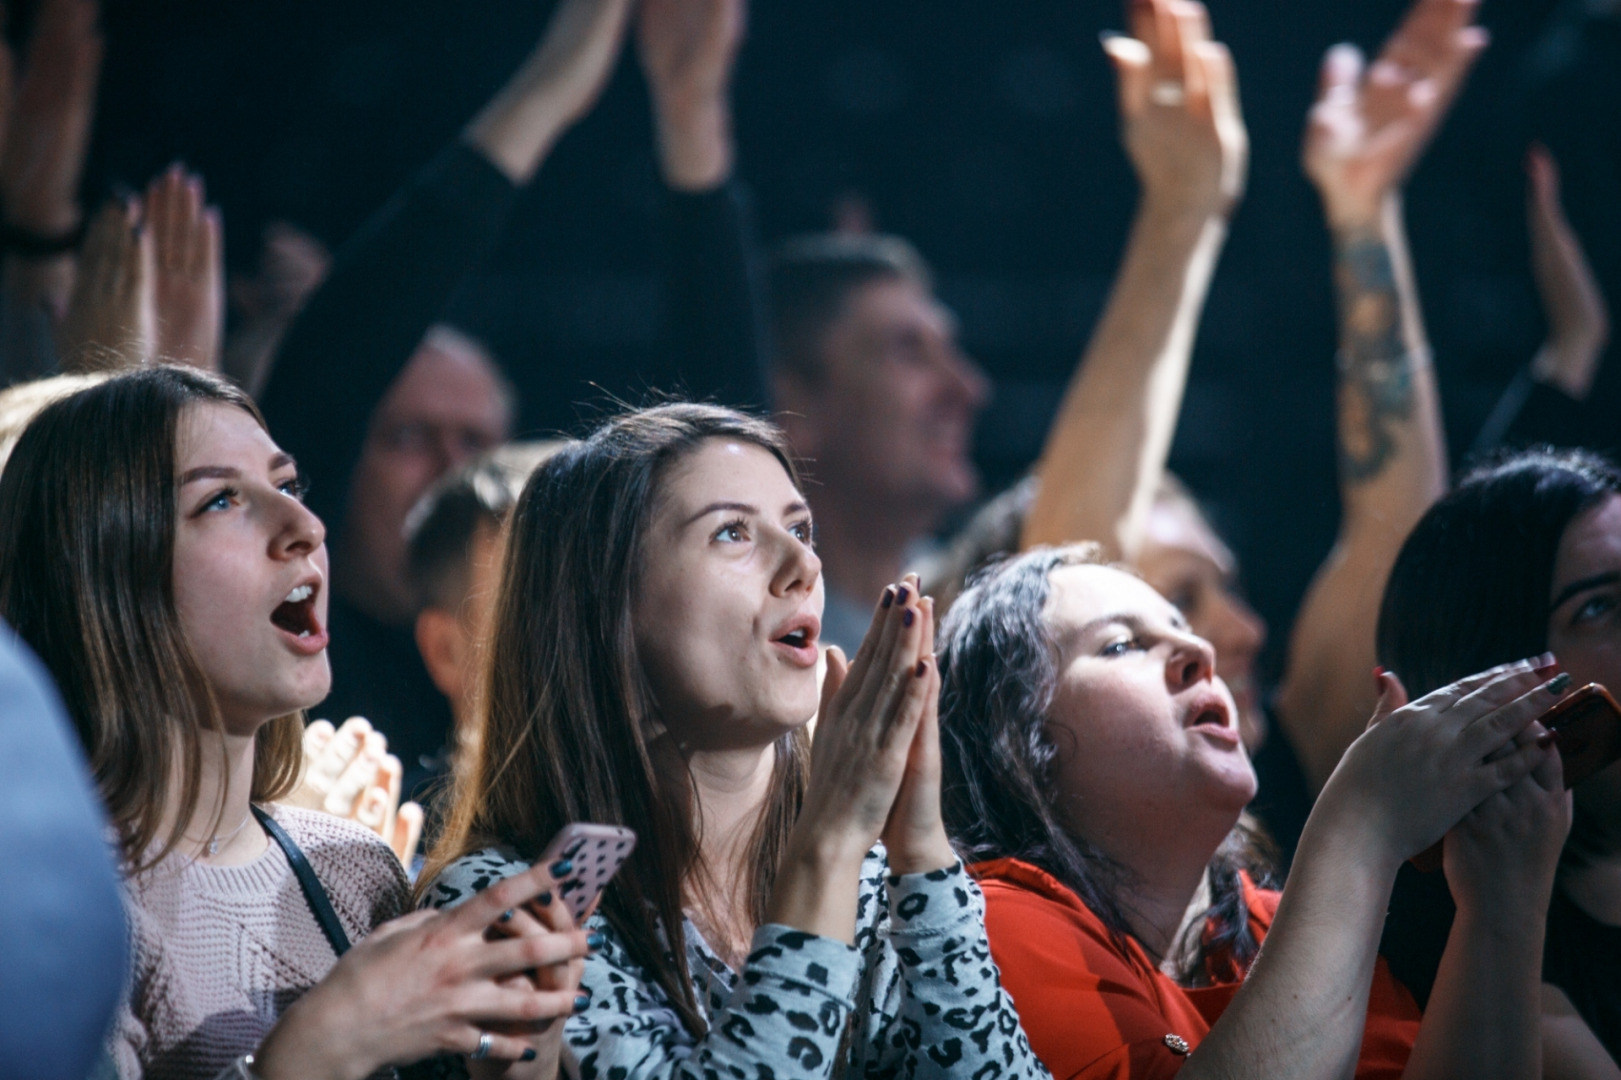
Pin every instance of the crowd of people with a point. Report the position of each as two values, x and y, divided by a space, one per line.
304 672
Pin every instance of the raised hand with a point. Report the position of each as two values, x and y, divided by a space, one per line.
1182 125
348 772
111 313
687 49
1578 319
1370 124
871 710
189 284
291 265
427 983
915 834
49 129
556 86
1420 768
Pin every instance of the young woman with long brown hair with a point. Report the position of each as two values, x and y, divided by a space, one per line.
653 664
155 553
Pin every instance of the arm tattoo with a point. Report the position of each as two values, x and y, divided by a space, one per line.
1375 367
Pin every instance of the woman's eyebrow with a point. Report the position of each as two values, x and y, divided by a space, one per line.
717 507
1586 583
208 472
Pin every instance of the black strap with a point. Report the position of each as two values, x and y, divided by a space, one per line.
320 906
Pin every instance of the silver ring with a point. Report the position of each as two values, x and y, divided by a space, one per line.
1167 92
485 1041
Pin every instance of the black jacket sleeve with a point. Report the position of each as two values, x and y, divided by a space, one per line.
713 342
388 285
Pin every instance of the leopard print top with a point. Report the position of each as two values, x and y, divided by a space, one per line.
926 997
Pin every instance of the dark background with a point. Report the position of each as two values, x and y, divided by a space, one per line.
985 132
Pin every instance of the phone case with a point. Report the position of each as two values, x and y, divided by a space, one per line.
597 852
1588 725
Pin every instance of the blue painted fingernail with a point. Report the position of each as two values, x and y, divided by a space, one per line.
903 594
906 620
506 916
561 867
527 1055
1559 683
889 595
544 899
595 940
582 1003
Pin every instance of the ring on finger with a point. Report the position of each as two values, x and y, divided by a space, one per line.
1167 92
485 1041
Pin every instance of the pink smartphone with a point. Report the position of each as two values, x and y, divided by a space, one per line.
596 852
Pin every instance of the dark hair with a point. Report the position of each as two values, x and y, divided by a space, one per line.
440 529
87 534
568 718
812 276
1471 587
998 671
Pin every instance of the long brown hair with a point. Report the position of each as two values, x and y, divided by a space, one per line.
87 531
567 716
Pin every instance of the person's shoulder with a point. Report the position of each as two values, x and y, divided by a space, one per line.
470 874
342 851
320 833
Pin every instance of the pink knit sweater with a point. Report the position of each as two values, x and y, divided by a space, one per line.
220 952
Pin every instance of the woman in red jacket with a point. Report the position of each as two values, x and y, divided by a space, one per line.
1095 775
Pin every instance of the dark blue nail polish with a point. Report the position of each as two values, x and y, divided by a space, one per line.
544 899
527 1055
595 940
582 1003
889 596
561 867
506 916
903 594
906 620
1559 683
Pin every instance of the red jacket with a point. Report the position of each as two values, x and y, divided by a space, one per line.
1093 1010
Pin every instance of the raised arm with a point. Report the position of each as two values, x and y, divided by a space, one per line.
1185 136
712 342
1366 131
1545 401
47 135
391 281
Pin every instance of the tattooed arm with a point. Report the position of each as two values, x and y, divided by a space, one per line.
1366 132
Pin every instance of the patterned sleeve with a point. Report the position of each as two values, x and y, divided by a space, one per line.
938 1007
785 1019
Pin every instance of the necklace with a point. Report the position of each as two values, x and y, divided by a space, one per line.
219 840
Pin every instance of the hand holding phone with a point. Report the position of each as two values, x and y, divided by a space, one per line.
1586 725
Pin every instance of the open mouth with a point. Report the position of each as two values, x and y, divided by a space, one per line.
796 639
1213 719
296 614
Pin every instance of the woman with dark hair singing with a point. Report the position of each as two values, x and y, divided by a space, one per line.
1523 555
155 553
1093 768
653 665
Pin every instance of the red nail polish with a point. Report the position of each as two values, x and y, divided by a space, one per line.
1378 678
1546 739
